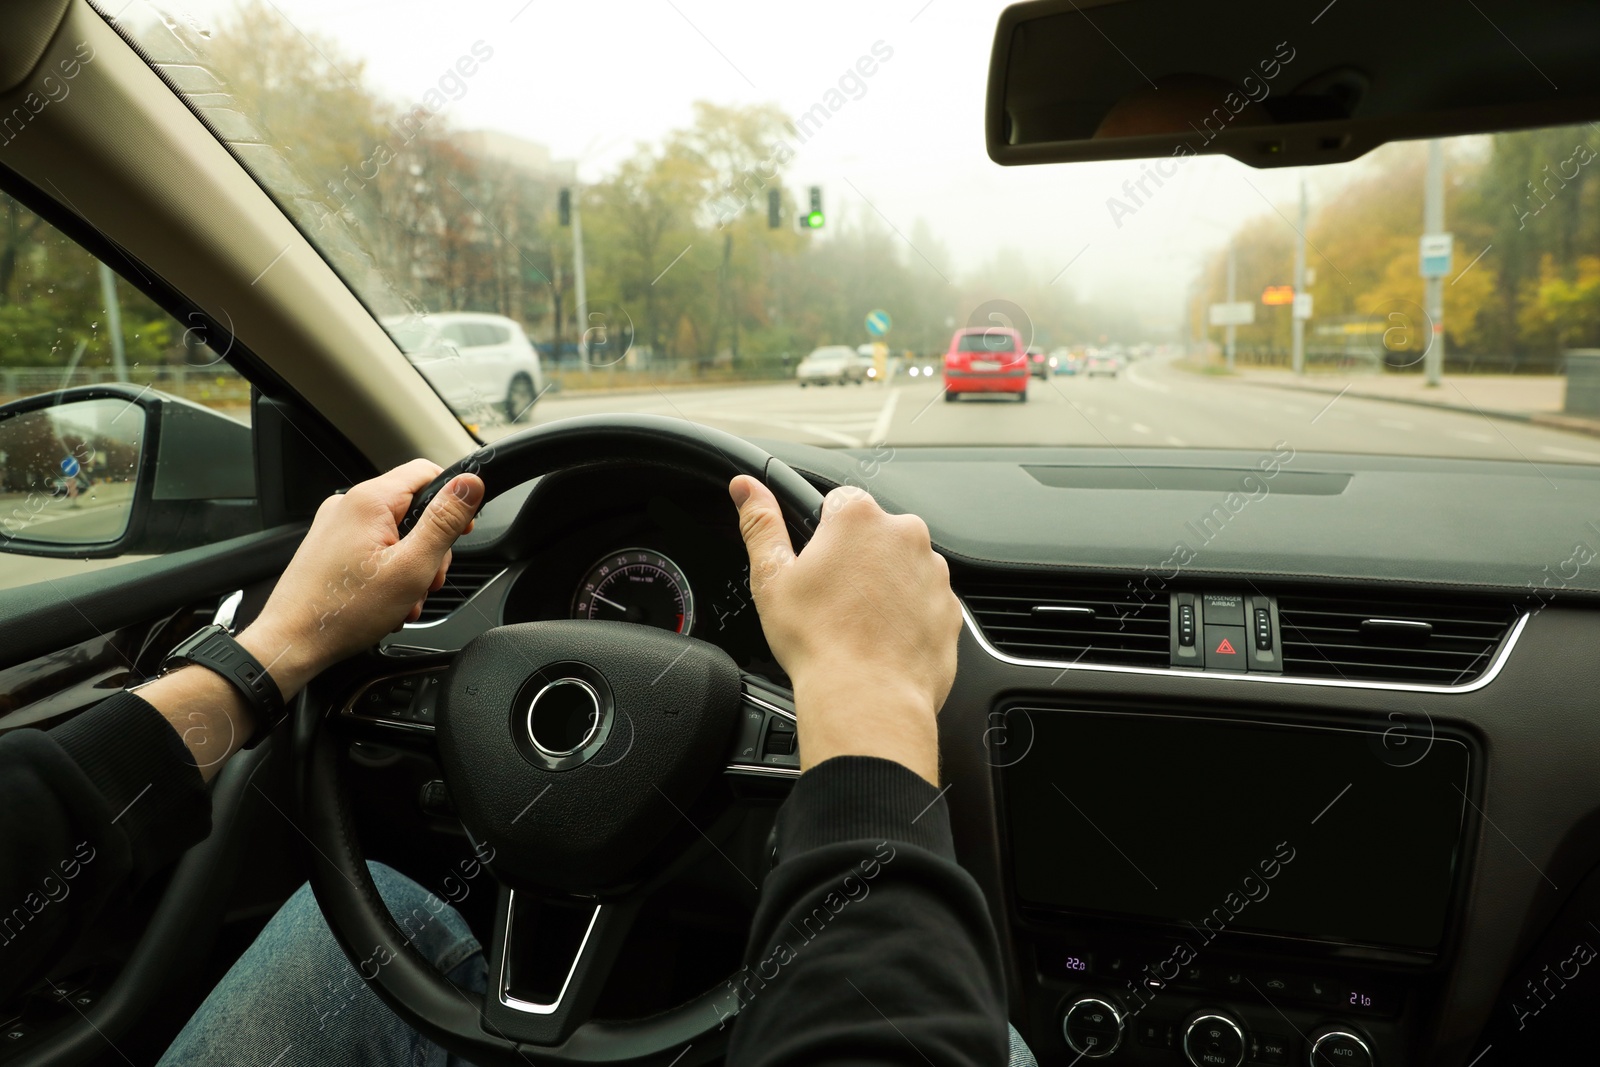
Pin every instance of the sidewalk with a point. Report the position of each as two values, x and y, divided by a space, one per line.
1523 398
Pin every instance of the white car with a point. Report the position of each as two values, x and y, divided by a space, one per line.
831 363
473 359
1102 361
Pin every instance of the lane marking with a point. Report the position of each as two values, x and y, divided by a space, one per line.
1136 378
880 429
1140 427
1473 435
1171 440
1570 453
1396 424
824 432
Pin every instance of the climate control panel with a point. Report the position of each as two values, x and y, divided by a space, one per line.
1098 1026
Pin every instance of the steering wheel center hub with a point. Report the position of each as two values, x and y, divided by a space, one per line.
571 748
566 712
564 717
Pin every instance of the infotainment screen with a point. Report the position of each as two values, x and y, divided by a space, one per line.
1352 836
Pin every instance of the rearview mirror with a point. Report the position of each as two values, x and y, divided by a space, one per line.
1275 84
104 470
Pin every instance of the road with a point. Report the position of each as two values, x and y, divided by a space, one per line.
1151 405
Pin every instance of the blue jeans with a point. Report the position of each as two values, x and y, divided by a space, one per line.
294 999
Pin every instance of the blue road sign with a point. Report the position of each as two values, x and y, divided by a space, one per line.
1436 249
878 323
69 467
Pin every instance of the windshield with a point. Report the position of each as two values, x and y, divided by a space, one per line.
988 341
678 202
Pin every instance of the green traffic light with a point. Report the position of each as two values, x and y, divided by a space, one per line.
814 220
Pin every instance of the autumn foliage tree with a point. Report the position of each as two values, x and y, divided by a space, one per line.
1524 208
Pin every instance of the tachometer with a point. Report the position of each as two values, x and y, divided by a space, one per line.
636 585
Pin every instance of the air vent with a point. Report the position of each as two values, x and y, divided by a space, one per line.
1070 622
465 577
1432 641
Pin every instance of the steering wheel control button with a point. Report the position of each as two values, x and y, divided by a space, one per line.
434 799
563 717
1225 647
1340 1048
1223 609
781 740
1092 1027
1214 1041
410 700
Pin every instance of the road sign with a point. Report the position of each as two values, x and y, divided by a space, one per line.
878 323
69 467
1242 313
1302 305
1275 295
1435 254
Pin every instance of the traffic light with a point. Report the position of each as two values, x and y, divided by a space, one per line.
564 207
814 216
774 203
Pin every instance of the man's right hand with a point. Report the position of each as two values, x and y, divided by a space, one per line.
863 620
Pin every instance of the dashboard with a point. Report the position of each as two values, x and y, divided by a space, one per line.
659 548
1322 792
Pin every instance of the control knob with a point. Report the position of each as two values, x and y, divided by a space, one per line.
1212 1040
1093 1027
1340 1048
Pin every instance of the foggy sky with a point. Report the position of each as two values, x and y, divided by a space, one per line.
592 79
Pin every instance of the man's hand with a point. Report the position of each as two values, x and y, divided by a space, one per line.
354 578
862 619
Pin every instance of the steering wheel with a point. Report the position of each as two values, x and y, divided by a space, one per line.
615 729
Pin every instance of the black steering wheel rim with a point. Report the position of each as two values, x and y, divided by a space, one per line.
344 890
591 440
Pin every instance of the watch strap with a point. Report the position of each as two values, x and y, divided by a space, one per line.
214 648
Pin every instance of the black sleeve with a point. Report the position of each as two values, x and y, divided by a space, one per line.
870 945
86 811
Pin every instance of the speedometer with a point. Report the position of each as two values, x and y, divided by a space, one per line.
636 585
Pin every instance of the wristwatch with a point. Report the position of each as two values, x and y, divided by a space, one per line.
214 648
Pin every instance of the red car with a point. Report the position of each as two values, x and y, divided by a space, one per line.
986 360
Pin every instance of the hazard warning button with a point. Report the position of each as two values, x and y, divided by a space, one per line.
1225 647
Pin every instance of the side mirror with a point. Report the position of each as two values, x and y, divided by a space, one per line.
107 470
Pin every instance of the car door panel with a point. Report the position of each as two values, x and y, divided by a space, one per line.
41 618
